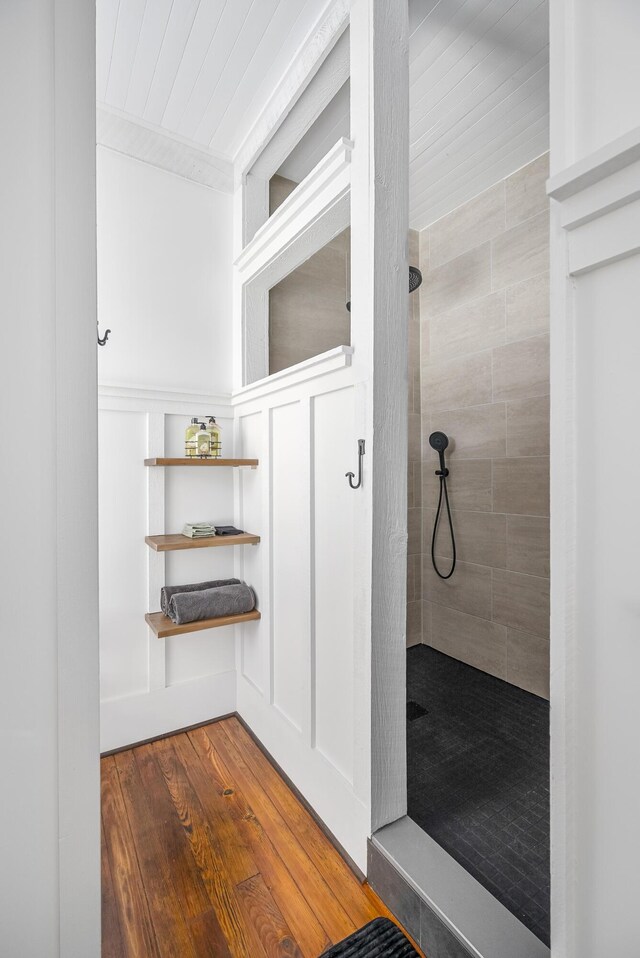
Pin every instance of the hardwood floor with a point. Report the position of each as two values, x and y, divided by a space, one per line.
207 852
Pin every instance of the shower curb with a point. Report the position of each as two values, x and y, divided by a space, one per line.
446 911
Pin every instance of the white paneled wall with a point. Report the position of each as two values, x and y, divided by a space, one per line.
298 667
164 282
289 547
332 557
148 685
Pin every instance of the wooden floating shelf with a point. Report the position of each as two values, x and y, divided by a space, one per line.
164 627
175 541
160 461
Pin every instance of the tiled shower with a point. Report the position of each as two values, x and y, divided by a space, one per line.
479 371
478 659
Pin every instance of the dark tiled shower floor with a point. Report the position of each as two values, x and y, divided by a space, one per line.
478 778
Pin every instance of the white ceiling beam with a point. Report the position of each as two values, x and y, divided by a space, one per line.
143 141
310 58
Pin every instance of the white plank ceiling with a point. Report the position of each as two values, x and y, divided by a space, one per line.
204 69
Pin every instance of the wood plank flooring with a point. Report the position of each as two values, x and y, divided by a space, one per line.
207 852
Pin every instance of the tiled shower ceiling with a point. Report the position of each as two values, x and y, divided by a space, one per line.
204 69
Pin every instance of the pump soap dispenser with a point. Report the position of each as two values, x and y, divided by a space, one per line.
190 439
203 443
215 437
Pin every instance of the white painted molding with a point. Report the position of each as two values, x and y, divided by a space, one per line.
151 144
313 52
329 79
156 579
599 200
311 201
597 166
136 718
143 399
338 358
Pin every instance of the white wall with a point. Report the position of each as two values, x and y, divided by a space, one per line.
595 390
164 285
49 799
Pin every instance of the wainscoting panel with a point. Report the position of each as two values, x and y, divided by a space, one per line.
298 674
332 542
289 550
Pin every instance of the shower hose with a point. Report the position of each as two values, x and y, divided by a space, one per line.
443 495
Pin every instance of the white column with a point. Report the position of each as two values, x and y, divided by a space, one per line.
379 297
49 748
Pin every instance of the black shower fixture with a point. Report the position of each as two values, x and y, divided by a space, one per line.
415 280
440 441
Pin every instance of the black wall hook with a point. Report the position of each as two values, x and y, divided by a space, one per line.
350 475
102 342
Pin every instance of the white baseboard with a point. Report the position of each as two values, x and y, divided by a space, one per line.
137 718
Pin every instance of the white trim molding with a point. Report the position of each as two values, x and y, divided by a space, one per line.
338 358
167 151
312 54
600 204
136 718
146 399
277 247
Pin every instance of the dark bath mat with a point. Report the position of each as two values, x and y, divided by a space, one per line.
379 939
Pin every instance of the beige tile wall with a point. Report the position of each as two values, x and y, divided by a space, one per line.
307 310
484 380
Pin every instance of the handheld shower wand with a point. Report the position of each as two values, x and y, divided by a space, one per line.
439 441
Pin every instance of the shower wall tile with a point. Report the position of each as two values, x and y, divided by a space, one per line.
528 545
521 602
521 252
414 531
412 492
414 577
414 247
469 226
526 191
466 381
521 486
521 370
528 308
426 622
470 486
414 623
493 613
528 662
307 313
477 432
467 329
462 279
478 642
528 427
481 537
415 437
469 590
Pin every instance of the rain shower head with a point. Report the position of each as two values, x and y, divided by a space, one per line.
415 280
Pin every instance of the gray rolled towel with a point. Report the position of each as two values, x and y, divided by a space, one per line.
211 603
168 590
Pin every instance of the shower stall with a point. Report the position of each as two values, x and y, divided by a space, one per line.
478 555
